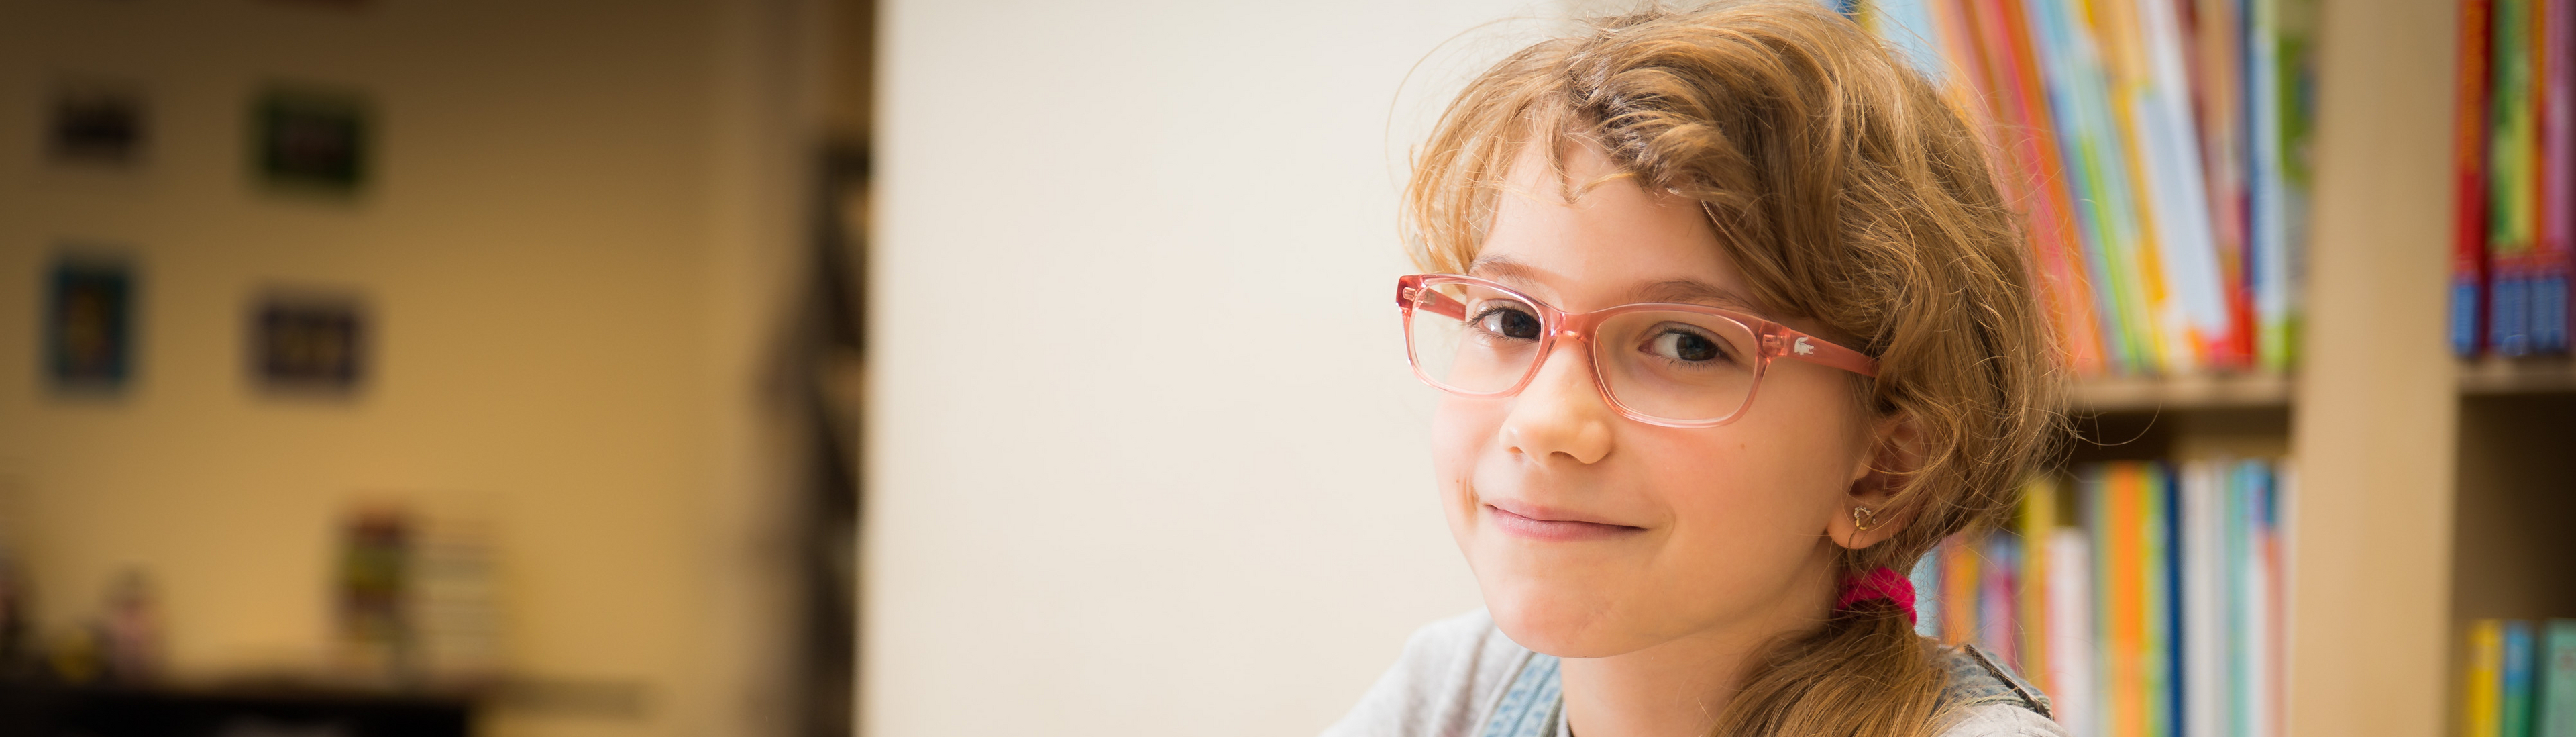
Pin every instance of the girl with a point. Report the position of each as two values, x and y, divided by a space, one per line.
1731 327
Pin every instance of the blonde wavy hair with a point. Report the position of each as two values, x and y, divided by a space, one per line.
1847 190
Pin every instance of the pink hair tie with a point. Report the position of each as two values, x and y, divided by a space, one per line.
1881 583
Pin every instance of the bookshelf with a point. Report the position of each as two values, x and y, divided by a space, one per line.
2123 394
2426 482
2510 376
2432 490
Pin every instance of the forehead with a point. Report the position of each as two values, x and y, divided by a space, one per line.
1594 238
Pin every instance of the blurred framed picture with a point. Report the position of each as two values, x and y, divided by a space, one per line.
308 343
96 123
89 323
311 140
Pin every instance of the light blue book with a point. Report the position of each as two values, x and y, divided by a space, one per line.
2555 701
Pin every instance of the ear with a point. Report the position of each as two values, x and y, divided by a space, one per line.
1896 448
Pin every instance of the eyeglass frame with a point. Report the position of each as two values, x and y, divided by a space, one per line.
1773 340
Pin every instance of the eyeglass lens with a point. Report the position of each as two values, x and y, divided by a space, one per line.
1682 366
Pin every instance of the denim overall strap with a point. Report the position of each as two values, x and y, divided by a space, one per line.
1534 704
1977 679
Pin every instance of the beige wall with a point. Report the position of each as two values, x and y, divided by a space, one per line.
1145 455
572 251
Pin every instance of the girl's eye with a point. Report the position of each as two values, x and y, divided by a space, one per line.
1685 346
1509 322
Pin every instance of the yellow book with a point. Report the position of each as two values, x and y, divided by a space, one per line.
2482 698
2038 523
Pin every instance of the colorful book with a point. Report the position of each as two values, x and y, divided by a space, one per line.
2036 524
2218 84
2556 694
2250 582
2512 187
1998 594
2153 610
1926 578
2469 184
2072 644
2279 102
2513 689
2202 564
2555 241
2165 556
2482 686
1960 589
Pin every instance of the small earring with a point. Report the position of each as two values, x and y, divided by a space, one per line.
1863 519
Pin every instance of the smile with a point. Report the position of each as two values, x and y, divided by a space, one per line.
1553 526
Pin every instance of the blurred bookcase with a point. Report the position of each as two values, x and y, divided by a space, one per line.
2430 490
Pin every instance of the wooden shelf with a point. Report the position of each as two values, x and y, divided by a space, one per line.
2180 393
2537 375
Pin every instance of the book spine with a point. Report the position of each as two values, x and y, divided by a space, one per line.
2511 150
2250 529
2197 297
2555 41
2469 187
1999 630
2037 524
1907 24
2481 691
2071 638
2166 538
2556 696
1960 581
1926 578
2203 597
2513 700
2071 72
2218 41
2120 526
2039 169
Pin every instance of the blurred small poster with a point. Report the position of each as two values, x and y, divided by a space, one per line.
308 343
309 139
96 123
89 323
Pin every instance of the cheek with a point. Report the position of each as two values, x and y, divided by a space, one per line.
1461 431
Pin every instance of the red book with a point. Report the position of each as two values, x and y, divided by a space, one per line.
2469 233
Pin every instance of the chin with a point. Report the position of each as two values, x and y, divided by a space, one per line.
1567 615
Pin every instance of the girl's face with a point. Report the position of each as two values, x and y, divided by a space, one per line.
1593 535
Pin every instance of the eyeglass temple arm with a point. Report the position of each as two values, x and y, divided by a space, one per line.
1811 349
1427 299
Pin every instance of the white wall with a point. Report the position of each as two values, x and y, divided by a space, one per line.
1144 454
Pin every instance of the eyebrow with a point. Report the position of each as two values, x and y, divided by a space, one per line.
1676 291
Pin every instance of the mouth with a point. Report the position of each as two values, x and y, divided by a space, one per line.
1540 523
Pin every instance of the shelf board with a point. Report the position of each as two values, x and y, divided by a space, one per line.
2182 392
2543 374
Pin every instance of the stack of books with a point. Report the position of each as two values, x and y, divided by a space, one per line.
2521 679
2515 177
2145 598
2156 149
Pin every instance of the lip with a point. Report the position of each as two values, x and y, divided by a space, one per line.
1552 525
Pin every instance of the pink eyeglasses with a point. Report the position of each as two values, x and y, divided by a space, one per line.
1675 365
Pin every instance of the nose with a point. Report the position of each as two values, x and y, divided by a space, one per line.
1561 413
